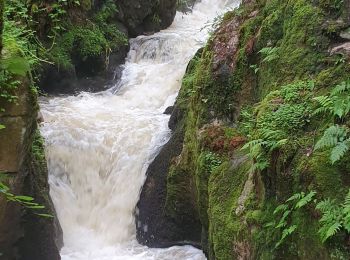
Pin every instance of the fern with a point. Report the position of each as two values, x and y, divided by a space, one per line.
305 200
331 136
336 104
283 212
269 53
339 151
286 232
335 137
335 217
342 87
325 105
346 212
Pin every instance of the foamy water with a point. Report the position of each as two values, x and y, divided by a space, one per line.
99 145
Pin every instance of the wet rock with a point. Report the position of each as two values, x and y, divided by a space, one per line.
90 75
186 6
345 34
226 44
154 227
95 74
341 49
169 110
147 15
23 234
176 117
15 118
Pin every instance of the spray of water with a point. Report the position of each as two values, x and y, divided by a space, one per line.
98 146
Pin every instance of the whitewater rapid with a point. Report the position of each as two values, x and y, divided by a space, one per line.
98 146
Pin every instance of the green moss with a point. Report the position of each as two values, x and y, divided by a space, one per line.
282 89
98 38
225 227
38 148
180 199
327 177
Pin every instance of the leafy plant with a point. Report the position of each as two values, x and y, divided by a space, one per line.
269 54
281 113
284 226
260 148
335 137
255 68
212 161
25 201
335 217
337 106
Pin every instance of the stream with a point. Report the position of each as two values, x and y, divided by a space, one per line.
99 145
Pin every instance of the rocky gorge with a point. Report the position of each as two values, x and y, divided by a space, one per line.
256 165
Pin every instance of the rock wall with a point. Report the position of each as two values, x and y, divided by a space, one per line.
23 234
87 53
260 70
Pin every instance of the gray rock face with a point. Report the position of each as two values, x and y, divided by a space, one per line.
23 234
345 34
343 48
146 15
134 17
154 227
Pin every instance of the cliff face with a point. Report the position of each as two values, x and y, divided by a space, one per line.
23 233
87 41
254 87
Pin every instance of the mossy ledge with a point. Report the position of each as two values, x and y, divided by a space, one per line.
260 69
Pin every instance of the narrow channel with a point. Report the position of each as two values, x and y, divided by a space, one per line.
99 145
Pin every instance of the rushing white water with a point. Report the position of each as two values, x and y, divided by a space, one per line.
98 146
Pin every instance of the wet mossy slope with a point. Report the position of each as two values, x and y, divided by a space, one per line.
250 127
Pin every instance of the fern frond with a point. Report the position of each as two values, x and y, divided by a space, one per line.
321 110
296 196
305 200
282 223
272 135
278 144
324 101
249 145
286 232
344 86
331 231
324 205
346 212
280 208
331 136
347 200
339 151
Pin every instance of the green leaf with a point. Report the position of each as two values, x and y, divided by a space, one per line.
305 200
44 215
24 198
36 207
332 230
286 232
281 207
3 188
283 222
339 151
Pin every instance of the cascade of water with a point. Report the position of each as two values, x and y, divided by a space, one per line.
99 145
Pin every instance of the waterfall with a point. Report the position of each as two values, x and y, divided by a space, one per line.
98 146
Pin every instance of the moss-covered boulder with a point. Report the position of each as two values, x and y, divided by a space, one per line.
249 159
